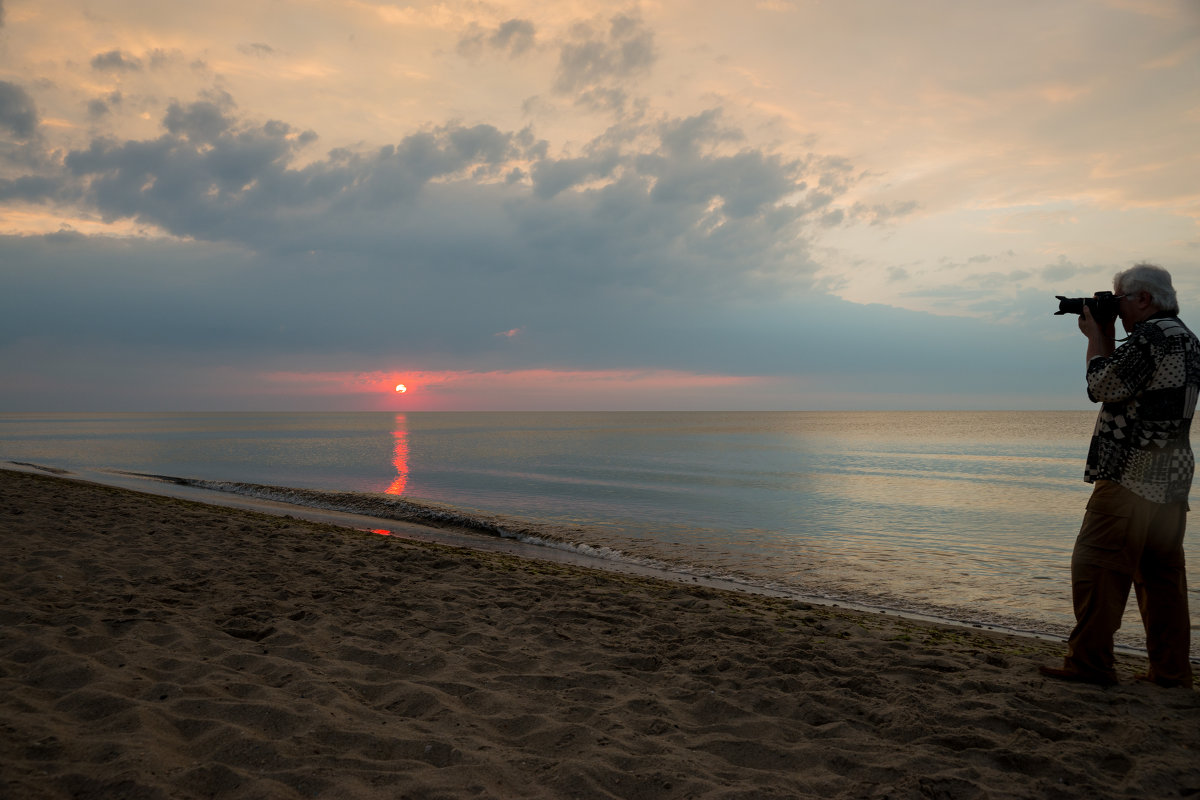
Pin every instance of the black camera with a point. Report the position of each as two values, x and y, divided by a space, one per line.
1105 306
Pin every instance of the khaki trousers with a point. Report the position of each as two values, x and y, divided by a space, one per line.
1126 539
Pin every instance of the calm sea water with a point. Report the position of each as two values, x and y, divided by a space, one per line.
965 515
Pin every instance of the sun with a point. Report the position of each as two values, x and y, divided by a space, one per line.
401 388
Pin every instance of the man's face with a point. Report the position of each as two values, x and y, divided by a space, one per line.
1133 308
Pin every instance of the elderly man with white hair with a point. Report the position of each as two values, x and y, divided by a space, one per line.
1141 464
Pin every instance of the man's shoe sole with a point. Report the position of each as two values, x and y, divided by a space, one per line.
1076 677
1165 683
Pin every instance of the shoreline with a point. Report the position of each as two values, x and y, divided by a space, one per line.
450 534
161 648
969 520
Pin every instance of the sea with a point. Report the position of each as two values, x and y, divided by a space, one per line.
967 517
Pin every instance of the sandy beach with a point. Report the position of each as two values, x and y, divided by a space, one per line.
159 648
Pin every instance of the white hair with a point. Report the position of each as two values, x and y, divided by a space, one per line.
1151 279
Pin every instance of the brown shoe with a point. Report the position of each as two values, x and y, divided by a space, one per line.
1166 683
1075 676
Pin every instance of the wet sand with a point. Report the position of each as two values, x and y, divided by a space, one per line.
153 647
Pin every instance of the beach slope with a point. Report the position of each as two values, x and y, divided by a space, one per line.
158 648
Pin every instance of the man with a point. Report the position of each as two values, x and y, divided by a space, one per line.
1141 463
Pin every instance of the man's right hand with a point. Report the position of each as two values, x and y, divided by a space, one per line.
1101 338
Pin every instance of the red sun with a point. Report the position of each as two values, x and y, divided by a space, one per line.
401 388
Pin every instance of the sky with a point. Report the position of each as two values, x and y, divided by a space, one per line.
294 205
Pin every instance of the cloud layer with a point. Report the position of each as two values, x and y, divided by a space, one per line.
180 237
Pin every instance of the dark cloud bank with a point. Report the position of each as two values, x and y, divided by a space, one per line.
18 114
662 245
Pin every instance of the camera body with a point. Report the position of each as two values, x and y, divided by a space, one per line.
1105 306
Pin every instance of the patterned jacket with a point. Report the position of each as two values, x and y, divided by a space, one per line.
1148 387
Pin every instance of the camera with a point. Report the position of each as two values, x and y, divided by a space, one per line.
1105 306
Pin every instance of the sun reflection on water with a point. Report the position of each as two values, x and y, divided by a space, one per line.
399 456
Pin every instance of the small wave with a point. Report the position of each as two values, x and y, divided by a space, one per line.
401 510
43 468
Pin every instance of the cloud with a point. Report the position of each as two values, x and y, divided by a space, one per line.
18 114
29 188
102 106
513 38
116 61
551 176
86 310
595 57
256 49
673 203
752 159
883 213
671 248
198 178
1062 270
424 248
201 122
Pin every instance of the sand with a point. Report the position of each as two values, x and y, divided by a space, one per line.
159 648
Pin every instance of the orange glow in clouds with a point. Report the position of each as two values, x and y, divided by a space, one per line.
523 389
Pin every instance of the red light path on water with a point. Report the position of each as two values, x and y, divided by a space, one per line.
399 463
399 456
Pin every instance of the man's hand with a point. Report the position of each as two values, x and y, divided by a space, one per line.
1088 325
1101 338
